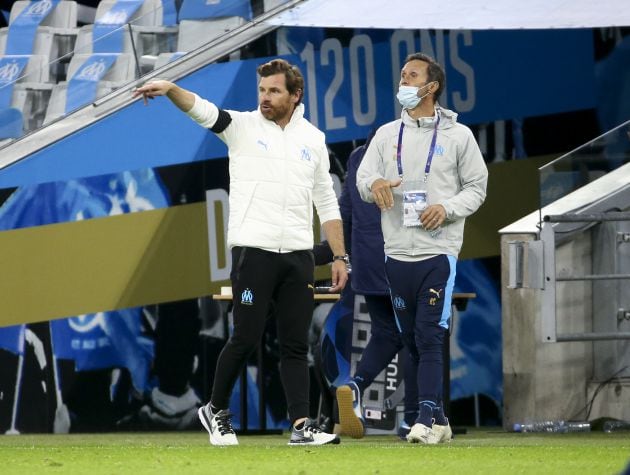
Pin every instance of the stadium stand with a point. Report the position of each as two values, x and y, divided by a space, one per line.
153 35
57 104
200 23
38 35
55 35
150 25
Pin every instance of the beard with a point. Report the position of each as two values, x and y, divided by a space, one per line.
274 113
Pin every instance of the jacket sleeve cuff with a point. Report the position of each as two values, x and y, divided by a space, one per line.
329 215
365 189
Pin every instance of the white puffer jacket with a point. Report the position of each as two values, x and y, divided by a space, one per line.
276 176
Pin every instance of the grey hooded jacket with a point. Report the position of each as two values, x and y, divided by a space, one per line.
457 180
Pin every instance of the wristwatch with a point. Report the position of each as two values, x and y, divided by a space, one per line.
345 258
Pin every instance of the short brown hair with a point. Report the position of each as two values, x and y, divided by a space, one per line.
292 74
435 72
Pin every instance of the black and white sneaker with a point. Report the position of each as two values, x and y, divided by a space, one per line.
310 434
218 425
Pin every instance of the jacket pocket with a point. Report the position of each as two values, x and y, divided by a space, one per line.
238 257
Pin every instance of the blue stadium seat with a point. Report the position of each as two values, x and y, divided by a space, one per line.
11 123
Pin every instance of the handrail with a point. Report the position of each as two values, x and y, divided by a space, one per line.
120 98
587 218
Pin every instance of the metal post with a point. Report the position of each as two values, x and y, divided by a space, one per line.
548 310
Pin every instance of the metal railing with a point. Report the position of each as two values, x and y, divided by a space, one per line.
550 278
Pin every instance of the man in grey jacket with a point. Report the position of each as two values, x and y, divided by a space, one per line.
426 173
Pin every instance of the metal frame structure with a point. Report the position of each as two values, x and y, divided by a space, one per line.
548 307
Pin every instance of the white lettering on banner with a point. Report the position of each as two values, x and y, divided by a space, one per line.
92 72
362 42
399 38
460 104
361 57
39 8
333 45
217 234
9 72
308 56
437 52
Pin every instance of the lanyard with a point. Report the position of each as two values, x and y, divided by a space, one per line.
427 167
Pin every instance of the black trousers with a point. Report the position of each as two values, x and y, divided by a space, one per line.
268 283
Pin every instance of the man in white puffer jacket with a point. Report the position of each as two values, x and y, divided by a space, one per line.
279 168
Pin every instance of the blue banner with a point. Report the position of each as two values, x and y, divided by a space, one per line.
11 68
476 364
22 30
109 338
490 75
106 340
108 30
169 13
88 198
83 86
201 9
12 339
11 123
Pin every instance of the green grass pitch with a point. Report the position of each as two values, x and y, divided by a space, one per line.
483 451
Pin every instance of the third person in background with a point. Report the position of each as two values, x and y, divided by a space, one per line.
364 243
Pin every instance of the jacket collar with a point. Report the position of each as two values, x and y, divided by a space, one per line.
447 119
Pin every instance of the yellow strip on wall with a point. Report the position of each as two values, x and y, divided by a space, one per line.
102 264
512 193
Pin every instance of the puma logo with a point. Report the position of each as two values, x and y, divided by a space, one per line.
433 300
310 286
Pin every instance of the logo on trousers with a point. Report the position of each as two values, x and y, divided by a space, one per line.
399 303
433 300
247 297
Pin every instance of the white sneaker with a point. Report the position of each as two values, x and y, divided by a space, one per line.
350 410
423 434
444 432
310 434
218 425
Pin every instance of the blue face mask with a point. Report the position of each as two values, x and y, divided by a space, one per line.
408 96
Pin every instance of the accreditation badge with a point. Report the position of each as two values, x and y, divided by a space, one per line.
414 202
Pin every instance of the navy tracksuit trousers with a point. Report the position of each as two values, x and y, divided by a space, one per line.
421 293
